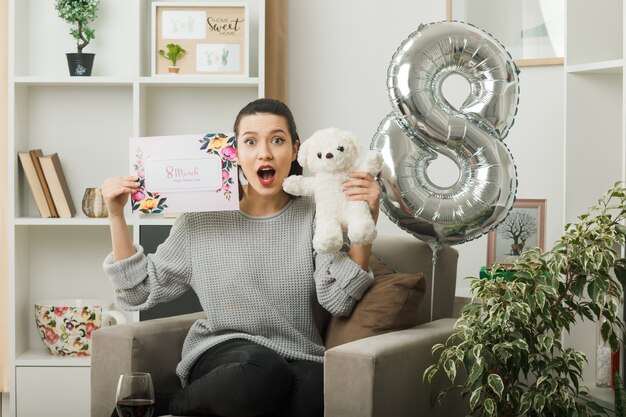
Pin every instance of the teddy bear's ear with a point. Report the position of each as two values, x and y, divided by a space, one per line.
353 142
302 153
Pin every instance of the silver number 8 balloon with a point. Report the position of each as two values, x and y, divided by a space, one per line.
423 125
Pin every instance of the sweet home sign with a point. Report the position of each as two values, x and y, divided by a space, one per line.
214 35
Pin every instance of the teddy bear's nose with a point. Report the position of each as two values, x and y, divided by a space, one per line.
329 155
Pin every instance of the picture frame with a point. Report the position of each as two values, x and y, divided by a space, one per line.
523 228
215 36
532 31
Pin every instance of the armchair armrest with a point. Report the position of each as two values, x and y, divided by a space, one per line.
382 375
152 346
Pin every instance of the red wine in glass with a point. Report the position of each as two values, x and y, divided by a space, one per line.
135 395
135 408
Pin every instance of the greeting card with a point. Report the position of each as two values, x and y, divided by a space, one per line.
184 173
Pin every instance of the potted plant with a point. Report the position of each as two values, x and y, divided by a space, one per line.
174 53
79 13
508 340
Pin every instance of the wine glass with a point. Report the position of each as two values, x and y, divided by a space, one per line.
135 395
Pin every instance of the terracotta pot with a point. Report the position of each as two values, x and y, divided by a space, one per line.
173 70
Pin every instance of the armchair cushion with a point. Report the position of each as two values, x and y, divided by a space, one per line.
391 303
379 267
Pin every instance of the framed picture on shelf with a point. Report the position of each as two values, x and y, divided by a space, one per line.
523 228
213 36
532 31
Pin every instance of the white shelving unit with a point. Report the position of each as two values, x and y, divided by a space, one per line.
88 121
595 124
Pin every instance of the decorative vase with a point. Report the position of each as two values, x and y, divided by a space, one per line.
65 325
93 203
80 64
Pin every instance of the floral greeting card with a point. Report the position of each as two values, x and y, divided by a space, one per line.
184 173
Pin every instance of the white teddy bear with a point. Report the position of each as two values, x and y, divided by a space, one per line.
332 154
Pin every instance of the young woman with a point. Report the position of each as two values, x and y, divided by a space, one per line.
258 351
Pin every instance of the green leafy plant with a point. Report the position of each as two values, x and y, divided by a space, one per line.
509 339
79 13
174 53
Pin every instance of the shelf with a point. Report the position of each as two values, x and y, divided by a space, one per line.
159 80
588 141
603 67
594 34
208 108
42 357
74 221
86 221
88 121
174 80
74 81
595 139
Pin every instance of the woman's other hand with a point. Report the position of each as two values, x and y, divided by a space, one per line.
115 192
363 187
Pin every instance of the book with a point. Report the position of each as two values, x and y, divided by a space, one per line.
51 166
35 186
35 154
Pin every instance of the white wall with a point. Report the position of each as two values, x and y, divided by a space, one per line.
339 52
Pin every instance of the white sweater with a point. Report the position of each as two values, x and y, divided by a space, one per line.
256 279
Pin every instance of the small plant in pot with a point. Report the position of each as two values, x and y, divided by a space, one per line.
79 13
508 341
173 54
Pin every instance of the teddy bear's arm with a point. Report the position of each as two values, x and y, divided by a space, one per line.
372 163
298 185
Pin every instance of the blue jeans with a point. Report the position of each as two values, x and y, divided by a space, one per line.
239 378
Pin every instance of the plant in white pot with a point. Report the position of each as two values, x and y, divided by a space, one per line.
173 54
79 14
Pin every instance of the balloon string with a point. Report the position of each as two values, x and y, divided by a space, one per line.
435 248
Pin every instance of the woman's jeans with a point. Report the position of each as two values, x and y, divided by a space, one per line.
239 378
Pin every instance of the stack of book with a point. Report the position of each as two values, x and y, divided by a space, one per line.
47 182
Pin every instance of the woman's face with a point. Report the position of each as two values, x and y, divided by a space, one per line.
265 152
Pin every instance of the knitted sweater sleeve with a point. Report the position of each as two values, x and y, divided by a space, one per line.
142 281
340 282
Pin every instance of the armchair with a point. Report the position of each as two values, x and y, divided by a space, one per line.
379 376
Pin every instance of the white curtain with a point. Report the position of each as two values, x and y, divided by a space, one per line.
4 279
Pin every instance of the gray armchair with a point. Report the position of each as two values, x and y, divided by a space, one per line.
379 376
